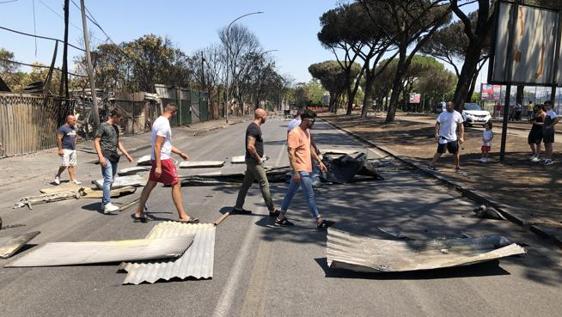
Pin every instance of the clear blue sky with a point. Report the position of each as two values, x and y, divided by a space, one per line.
289 26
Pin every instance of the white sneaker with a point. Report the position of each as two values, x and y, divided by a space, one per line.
57 180
535 159
532 157
548 162
110 208
483 160
77 182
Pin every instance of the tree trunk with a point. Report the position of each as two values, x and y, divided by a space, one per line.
368 98
469 69
520 95
397 86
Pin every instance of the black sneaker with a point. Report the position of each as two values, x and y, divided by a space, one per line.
240 211
284 222
324 225
274 213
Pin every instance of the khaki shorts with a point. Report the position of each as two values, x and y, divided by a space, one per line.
69 158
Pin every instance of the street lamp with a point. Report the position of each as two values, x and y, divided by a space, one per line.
228 58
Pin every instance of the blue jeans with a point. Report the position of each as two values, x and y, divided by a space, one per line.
306 182
108 173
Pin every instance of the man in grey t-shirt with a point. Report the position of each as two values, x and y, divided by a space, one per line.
106 143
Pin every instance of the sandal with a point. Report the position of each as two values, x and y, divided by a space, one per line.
325 224
142 218
284 222
190 221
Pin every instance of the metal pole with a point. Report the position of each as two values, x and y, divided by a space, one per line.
89 62
509 70
228 58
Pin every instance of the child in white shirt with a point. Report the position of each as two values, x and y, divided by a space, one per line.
487 137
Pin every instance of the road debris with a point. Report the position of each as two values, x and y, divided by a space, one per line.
30 201
369 254
95 252
241 159
124 181
201 164
11 244
133 170
488 213
197 262
145 160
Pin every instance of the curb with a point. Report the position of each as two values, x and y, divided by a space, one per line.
468 193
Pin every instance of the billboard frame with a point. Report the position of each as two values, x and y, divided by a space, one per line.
513 17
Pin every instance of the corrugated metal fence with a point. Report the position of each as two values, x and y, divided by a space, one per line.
28 123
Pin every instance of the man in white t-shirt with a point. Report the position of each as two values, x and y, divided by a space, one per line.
448 124
163 168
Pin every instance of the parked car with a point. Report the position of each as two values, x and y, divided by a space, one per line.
473 114
441 107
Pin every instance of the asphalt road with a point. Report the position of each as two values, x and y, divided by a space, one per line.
263 270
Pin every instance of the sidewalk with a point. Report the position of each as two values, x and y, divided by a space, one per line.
528 192
44 164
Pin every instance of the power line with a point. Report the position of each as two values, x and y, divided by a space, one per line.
40 37
38 66
9 1
60 16
91 18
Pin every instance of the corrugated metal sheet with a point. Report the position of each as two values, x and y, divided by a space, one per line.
238 159
133 170
92 252
367 254
124 181
11 244
197 262
201 164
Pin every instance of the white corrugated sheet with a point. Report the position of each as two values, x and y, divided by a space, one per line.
369 254
197 262
123 181
91 252
241 159
201 164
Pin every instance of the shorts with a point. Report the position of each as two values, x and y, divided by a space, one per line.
69 158
452 147
548 136
535 136
486 148
169 174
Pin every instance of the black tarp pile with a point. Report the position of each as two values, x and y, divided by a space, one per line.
342 169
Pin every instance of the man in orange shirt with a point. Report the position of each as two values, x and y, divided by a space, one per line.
300 158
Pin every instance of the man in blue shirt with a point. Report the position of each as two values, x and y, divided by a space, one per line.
66 142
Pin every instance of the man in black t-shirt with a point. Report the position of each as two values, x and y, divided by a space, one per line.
254 166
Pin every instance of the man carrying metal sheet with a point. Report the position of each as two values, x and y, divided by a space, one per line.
254 166
66 142
163 168
301 155
106 143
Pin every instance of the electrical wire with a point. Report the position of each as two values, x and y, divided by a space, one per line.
38 66
40 37
60 16
10 1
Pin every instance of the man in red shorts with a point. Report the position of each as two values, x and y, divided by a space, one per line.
163 167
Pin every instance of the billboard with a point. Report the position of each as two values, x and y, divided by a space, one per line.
490 92
415 98
531 35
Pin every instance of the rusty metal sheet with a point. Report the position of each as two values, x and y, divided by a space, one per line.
133 170
11 244
92 252
201 164
65 187
115 193
124 181
196 262
368 254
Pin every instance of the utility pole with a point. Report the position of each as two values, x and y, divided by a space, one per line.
64 78
89 62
